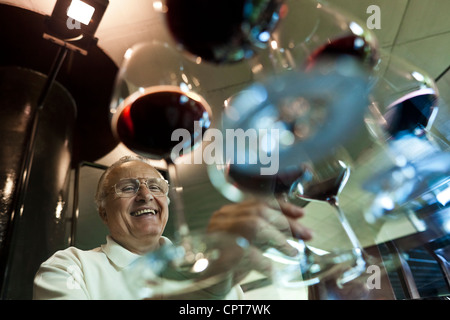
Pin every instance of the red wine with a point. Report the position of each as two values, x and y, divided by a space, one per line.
351 45
221 31
324 190
410 113
145 124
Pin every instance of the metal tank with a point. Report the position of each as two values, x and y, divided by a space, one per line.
34 215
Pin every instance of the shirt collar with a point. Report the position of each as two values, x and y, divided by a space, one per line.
120 256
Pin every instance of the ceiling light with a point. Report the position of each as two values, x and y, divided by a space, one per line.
73 23
80 11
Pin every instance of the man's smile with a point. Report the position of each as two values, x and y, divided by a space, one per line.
144 211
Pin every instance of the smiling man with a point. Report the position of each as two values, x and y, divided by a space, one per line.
132 200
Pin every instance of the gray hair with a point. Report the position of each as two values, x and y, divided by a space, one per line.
101 192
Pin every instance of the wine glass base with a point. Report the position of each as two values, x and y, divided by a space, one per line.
308 268
199 265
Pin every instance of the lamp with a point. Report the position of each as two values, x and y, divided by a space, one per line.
73 23
72 26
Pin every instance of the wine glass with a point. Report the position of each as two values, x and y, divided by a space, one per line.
323 181
309 182
309 32
404 105
309 94
158 111
404 99
295 120
220 32
155 86
313 38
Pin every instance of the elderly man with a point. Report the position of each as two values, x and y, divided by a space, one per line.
132 201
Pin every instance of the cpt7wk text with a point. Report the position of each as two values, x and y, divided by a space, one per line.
226 309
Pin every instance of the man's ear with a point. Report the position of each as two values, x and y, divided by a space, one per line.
102 214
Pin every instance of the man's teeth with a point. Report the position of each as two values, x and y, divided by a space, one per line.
143 211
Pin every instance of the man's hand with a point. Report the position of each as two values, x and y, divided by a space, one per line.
264 226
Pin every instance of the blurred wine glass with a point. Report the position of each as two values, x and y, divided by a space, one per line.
220 32
404 99
295 120
158 110
413 171
310 32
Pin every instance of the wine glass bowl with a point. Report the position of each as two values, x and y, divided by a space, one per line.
298 116
310 33
221 32
237 184
324 183
154 85
404 99
174 109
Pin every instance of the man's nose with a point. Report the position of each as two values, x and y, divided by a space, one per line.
144 193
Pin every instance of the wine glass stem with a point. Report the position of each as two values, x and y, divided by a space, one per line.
176 198
346 225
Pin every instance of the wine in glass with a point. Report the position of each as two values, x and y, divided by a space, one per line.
404 100
155 95
221 32
311 32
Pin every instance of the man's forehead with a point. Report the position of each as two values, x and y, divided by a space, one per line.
132 169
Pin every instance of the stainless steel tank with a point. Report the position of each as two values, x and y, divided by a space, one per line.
34 217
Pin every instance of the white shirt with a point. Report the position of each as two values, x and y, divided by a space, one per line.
98 274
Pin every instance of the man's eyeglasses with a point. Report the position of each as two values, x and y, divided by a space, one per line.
127 188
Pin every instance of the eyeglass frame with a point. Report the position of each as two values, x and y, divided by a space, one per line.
140 182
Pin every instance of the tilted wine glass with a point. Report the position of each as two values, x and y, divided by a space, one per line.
323 181
275 111
158 111
221 32
310 84
404 99
309 32
404 106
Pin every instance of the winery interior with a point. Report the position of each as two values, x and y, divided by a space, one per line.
55 144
